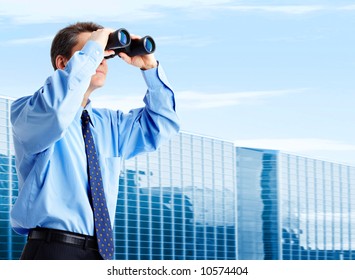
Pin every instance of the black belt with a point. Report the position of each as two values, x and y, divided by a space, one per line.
70 238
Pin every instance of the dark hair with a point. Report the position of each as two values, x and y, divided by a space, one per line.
67 38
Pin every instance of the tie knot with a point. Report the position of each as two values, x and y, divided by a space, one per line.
85 118
85 115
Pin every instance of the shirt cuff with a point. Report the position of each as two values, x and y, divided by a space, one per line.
155 76
94 51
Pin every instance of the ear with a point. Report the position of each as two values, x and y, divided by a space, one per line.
61 61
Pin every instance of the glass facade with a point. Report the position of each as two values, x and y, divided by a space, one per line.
301 208
179 203
11 244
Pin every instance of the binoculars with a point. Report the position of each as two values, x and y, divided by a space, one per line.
120 41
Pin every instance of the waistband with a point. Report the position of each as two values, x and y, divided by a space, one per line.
61 236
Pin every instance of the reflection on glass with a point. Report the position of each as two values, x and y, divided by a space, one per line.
301 207
181 207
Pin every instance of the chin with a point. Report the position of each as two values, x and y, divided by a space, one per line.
97 83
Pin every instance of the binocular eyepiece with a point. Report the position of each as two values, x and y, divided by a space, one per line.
121 41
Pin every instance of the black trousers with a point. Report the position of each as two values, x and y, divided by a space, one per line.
47 249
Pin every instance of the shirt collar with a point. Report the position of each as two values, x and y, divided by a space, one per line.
88 108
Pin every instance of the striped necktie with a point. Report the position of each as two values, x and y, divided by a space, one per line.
102 221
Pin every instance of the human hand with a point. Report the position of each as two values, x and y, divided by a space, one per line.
100 36
144 62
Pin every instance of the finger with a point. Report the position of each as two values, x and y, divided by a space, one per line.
135 36
125 57
109 30
109 53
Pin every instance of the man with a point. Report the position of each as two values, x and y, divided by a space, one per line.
54 130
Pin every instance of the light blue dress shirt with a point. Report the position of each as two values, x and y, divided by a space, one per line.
49 146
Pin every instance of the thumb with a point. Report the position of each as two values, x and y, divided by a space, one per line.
125 57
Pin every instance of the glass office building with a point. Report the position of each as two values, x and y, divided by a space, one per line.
294 208
11 244
179 202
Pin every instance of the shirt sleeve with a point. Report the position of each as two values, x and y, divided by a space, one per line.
144 129
41 119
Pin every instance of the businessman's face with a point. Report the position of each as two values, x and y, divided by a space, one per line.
99 78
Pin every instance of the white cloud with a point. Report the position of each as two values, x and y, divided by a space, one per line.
298 145
199 100
39 11
316 148
347 8
285 9
191 100
23 11
27 41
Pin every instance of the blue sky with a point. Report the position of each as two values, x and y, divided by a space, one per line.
266 74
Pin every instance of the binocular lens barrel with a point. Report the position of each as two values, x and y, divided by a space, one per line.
120 41
123 38
149 44
141 46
